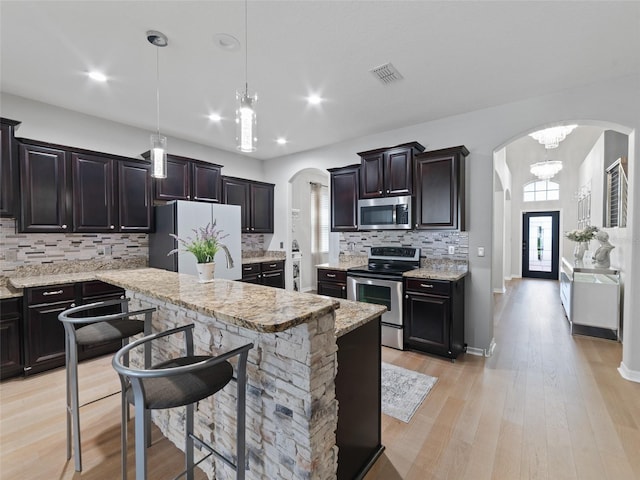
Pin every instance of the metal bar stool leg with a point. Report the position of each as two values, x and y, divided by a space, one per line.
72 371
188 449
68 384
241 386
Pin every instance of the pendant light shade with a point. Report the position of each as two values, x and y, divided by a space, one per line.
246 119
246 122
158 142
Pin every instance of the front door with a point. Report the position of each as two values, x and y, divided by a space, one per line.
540 244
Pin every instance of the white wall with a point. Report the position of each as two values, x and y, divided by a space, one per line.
482 132
48 123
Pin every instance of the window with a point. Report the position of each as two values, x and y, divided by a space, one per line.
540 190
616 214
319 218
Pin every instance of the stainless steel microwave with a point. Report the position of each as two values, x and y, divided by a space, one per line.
385 213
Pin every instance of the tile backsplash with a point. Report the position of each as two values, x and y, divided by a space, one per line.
20 251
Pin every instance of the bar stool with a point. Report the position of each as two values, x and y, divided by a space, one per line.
178 382
90 330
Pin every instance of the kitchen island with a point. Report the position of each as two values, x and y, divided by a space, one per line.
294 372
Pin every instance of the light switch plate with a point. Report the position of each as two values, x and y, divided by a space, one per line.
481 251
452 249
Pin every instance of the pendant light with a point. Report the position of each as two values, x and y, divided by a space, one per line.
246 122
546 169
158 142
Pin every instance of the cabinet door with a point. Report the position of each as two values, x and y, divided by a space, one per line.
440 183
261 208
236 192
206 185
43 190
372 176
44 337
134 197
427 323
8 169
398 168
337 290
177 184
93 196
10 343
344 199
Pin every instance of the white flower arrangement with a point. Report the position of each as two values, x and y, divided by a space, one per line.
584 235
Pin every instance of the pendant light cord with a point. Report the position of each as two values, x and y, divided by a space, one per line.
158 88
246 51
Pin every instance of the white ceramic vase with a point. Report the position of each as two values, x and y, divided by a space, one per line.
578 251
206 271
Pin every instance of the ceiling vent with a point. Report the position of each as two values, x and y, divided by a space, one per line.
386 73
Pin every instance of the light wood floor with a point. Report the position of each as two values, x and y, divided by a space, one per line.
546 406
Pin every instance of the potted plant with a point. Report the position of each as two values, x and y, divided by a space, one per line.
581 237
203 245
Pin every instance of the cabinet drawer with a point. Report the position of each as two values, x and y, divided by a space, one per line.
249 269
273 266
433 287
51 294
96 287
10 308
332 275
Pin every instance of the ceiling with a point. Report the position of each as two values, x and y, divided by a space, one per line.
455 57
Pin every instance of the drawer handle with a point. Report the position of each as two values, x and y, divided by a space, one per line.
269 275
54 292
426 286
273 265
247 268
331 275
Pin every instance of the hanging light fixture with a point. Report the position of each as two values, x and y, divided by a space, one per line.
246 122
551 137
546 169
158 142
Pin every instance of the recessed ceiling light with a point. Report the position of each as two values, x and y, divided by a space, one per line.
97 76
214 117
314 99
282 141
226 42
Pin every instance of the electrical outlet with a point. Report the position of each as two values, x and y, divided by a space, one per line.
281 244
452 249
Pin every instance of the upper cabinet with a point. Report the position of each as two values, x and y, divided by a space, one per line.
388 171
8 168
344 198
73 190
440 189
255 200
188 179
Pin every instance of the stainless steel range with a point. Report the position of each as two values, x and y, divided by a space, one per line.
381 283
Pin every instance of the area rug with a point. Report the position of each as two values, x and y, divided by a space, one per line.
403 391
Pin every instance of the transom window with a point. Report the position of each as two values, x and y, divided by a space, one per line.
541 190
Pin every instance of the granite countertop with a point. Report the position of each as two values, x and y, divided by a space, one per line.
344 263
266 258
451 274
256 307
54 279
8 292
352 315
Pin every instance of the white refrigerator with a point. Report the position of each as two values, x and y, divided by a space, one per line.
181 218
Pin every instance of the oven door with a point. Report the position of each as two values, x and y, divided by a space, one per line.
381 292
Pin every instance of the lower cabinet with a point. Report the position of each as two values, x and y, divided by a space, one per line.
10 338
270 274
44 340
332 283
434 316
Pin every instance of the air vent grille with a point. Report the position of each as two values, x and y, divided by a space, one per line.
386 73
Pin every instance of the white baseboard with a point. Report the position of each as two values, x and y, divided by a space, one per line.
483 352
628 374
500 290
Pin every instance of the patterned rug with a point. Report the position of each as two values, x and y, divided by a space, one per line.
403 391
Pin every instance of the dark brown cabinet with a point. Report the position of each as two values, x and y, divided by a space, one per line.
332 283
270 274
434 316
345 183
255 200
8 168
45 196
388 171
188 179
64 189
10 338
440 189
44 338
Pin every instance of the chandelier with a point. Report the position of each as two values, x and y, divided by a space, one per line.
158 141
546 169
551 137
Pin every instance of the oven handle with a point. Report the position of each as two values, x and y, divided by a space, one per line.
376 276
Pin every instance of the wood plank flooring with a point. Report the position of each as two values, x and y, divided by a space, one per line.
546 405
